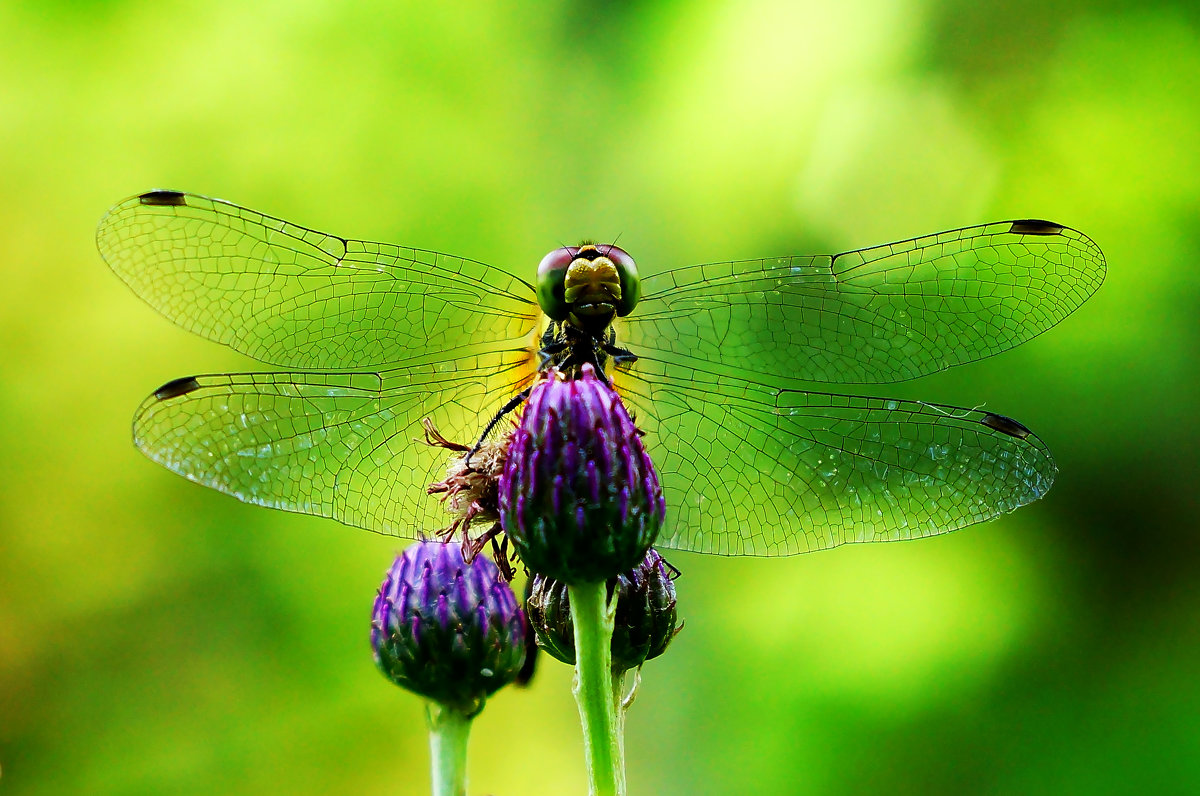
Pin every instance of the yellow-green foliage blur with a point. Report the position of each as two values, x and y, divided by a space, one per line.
157 637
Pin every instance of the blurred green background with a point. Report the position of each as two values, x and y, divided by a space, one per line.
156 637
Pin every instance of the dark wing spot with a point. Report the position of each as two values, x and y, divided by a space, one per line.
176 388
163 198
1006 425
1033 226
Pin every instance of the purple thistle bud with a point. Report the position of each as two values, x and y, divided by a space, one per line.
578 495
447 630
644 625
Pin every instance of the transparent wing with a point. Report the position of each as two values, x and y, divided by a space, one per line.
754 470
883 314
344 445
298 298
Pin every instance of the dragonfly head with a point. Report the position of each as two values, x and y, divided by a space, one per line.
587 285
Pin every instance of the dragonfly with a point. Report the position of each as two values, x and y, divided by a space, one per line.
717 361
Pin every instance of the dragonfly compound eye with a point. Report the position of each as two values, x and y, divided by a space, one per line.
551 275
631 285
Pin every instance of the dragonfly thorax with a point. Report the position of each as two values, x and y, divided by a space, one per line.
588 285
567 348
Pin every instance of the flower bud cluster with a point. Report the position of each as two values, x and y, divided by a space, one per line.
644 624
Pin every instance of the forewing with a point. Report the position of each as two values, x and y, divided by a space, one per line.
754 470
882 314
348 446
298 298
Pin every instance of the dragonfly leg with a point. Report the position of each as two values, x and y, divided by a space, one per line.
672 571
620 356
549 353
499 542
500 552
513 403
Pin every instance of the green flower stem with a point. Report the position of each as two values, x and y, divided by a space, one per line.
593 620
448 731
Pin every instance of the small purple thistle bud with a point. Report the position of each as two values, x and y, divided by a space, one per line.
645 623
447 630
579 496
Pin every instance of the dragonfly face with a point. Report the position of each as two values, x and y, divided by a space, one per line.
718 361
588 285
